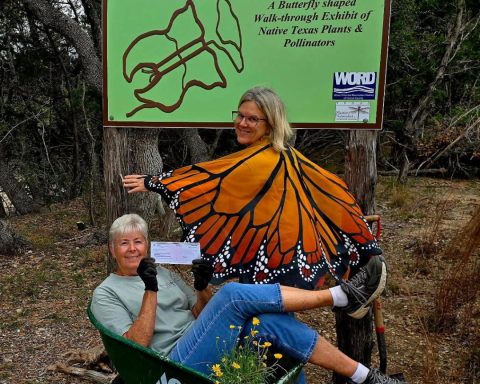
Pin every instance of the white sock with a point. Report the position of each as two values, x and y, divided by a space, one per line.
360 374
340 298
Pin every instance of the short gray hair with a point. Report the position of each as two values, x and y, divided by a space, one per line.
130 222
271 104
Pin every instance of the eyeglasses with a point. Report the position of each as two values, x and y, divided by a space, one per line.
252 121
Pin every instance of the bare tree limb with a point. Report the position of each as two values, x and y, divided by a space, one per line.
454 38
78 37
34 116
439 154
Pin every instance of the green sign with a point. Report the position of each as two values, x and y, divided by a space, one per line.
171 63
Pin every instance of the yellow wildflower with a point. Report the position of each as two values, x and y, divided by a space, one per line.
267 344
255 321
253 332
235 365
217 370
278 356
232 326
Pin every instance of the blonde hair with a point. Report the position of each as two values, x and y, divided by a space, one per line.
271 104
130 222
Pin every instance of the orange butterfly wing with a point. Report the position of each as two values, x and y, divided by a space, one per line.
267 216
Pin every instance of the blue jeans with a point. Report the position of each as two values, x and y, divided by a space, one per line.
236 304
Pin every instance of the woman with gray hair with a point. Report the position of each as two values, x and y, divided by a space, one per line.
266 214
155 308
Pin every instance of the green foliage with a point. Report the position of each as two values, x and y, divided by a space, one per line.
46 106
420 34
44 109
247 363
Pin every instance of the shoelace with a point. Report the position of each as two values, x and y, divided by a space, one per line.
352 285
381 379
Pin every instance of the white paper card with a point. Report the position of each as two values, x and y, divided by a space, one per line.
352 111
169 252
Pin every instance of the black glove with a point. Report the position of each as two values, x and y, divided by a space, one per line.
202 274
147 271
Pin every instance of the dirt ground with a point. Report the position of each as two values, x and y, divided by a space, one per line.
44 292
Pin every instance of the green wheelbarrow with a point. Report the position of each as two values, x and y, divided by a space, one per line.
139 365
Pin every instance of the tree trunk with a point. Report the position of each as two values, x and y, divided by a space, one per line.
197 147
144 158
115 165
16 192
10 243
76 184
361 168
355 337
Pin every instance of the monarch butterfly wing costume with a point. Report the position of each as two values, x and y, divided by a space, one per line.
268 216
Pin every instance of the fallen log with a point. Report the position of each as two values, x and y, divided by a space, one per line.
89 374
89 357
90 364
414 172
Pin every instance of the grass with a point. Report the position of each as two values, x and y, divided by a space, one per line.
5 369
456 287
27 285
441 262
456 291
89 257
399 198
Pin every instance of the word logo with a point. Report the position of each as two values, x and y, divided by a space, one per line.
354 85
164 380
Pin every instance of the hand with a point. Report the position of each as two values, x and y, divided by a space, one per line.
134 183
147 271
202 274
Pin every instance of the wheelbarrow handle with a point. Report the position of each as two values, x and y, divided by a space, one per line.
377 219
380 331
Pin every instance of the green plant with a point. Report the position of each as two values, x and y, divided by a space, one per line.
248 362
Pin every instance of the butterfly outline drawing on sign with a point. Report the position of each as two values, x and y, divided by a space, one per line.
156 71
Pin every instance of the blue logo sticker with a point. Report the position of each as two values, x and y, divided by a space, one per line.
354 85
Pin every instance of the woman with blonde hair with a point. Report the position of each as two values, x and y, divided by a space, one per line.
266 214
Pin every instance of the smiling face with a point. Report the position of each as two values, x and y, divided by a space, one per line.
128 249
248 133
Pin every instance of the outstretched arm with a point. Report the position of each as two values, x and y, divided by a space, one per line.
134 183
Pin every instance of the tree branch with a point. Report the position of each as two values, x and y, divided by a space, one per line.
51 17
